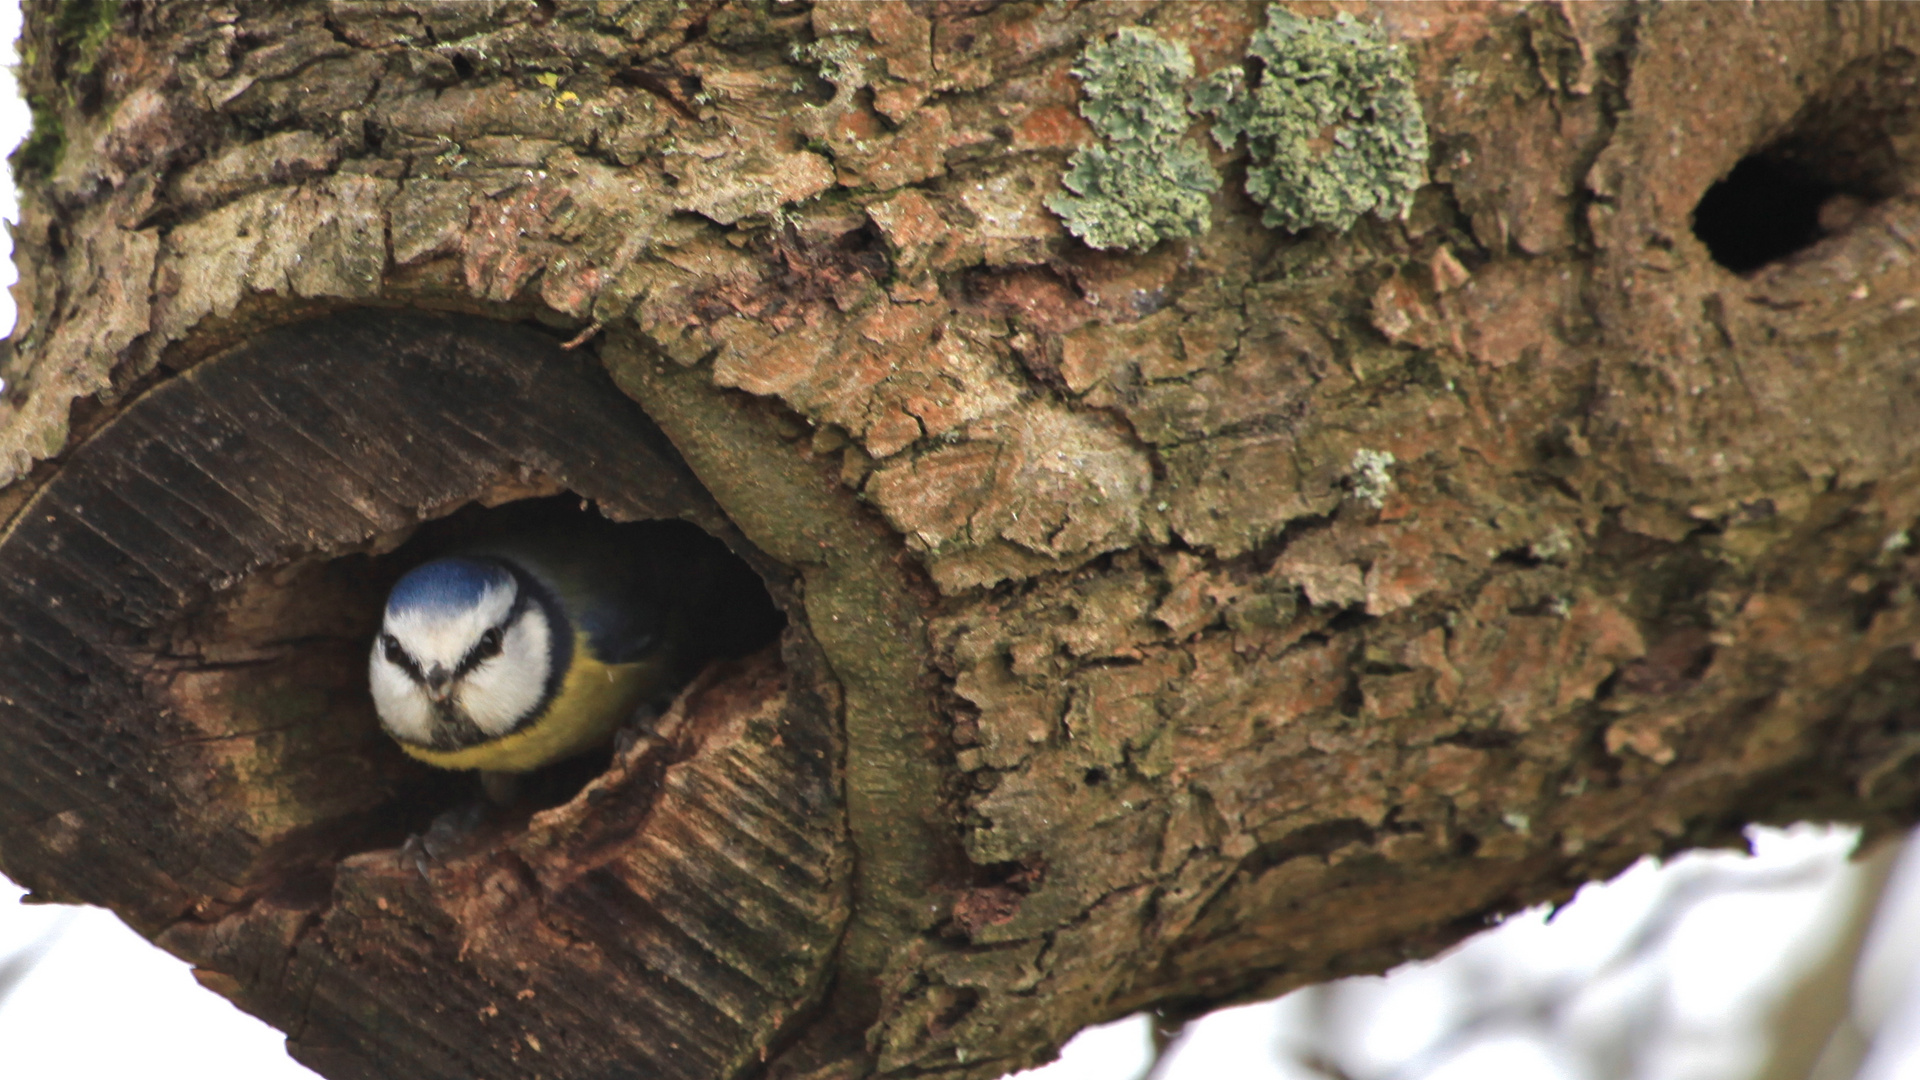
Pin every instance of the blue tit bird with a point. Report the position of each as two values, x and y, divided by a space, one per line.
511 654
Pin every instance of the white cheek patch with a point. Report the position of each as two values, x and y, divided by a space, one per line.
402 704
442 635
504 689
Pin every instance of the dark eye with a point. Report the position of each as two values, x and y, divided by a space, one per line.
489 644
390 646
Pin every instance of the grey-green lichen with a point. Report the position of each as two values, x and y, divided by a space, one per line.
46 140
1371 478
1143 181
1333 128
840 59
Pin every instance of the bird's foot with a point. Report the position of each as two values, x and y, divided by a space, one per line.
639 724
443 837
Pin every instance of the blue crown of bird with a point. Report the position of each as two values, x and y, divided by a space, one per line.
509 655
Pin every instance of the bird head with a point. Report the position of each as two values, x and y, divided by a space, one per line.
464 653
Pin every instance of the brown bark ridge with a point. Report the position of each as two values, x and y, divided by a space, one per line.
1164 629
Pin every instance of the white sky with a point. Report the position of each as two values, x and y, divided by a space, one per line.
1711 984
102 1003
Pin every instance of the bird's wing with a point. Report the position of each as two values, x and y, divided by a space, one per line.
621 629
601 577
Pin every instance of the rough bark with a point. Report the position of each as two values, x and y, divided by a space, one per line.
1164 628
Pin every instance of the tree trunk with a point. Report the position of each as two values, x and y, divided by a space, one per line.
1251 602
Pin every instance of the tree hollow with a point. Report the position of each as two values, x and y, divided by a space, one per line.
187 609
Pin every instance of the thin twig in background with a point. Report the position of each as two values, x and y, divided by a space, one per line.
15 968
1544 1007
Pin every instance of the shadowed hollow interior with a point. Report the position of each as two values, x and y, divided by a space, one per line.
281 665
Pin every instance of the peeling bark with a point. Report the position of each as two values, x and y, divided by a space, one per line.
1164 629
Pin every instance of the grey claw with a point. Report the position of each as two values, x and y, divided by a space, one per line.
442 837
639 724
415 851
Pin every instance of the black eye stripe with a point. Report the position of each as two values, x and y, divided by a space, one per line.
397 656
486 648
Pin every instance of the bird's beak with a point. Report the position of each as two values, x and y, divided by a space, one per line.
439 685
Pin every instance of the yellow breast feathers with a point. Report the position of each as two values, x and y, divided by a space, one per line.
593 700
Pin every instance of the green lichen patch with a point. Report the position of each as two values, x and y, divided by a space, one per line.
1142 182
840 58
80 30
46 141
82 27
1333 128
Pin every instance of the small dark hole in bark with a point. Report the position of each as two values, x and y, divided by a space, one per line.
1519 556
963 1001
1763 211
1481 739
1095 777
1352 698
1845 150
462 66
1465 844
1608 687
1352 618
1020 875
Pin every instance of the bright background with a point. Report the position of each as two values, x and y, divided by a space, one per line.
1676 972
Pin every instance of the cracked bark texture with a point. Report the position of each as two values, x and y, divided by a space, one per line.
1140 678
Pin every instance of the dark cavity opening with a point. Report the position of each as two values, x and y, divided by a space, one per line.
730 612
727 610
1765 210
1847 150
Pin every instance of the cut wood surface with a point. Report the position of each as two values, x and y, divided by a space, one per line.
1284 592
186 679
